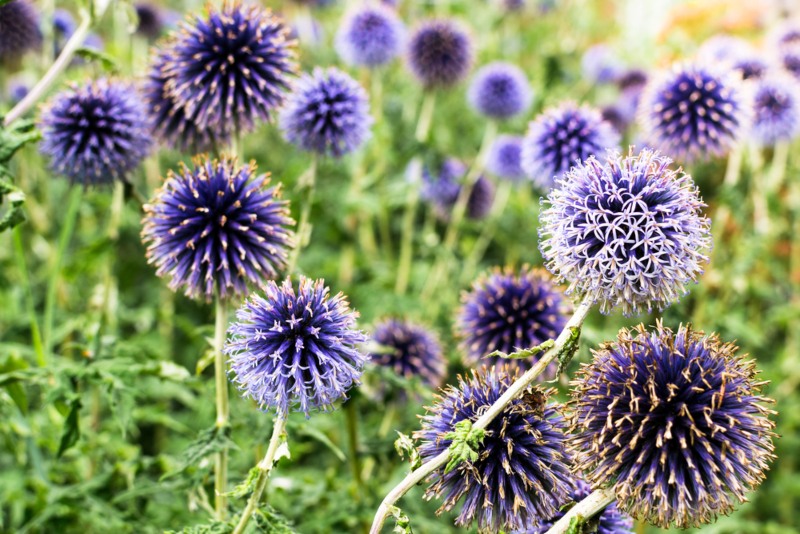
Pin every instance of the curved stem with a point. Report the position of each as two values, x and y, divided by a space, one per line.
221 383
515 390
595 503
264 468
306 183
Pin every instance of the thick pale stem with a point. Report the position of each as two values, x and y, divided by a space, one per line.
221 383
425 117
515 390
264 468
595 503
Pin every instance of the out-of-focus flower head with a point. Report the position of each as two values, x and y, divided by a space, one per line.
370 36
440 53
505 158
776 109
411 350
500 91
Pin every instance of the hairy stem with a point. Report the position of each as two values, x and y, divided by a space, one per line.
221 383
515 390
595 503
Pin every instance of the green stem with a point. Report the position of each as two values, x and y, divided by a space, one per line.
264 468
488 231
306 183
407 239
67 228
425 116
221 383
36 337
351 420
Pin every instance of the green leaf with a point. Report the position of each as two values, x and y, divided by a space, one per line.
15 136
465 444
569 349
247 486
523 353
405 447
92 54
72 431
214 527
402 522
269 521
208 442
317 435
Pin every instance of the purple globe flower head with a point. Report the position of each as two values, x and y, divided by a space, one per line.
752 67
522 471
776 109
410 350
695 111
151 20
505 158
600 64
440 53
506 311
631 84
295 350
722 48
442 189
500 91
19 30
632 79
327 113
169 119
63 24
95 133
789 59
215 228
562 136
610 520
627 232
675 422
371 36
786 33
481 199
616 117
17 88
231 68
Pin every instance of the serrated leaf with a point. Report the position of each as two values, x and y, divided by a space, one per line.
523 353
247 486
208 442
269 521
465 444
402 522
406 448
92 54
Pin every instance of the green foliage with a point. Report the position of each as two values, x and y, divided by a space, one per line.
465 445
12 138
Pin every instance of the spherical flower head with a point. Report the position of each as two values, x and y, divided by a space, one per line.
505 158
151 20
600 64
295 350
442 190
632 79
776 109
627 232
500 91
17 88
789 58
95 133
694 111
506 311
232 67
440 53
522 471
410 350
371 36
722 48
786 33
675 421
215 228
19 29
63 24
481 199
562 136
610 520
327 113
616 117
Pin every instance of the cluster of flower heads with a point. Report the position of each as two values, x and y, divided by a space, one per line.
625 231
295 349
411 350
440 53
522 472
370 36
507 310
675 422
443 190
19 30
215 228
500 91
327 113
97 133
221 74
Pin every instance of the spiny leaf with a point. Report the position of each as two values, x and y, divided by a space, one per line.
465 444
269 521
208 442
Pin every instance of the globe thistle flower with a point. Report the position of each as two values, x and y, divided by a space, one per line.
776 109
19 29
616 117
675 421
64 26
789 58
96 133
506 311
481 199
370 36
295 350
600 64
500 91
722 48
440 53
231 68
694 111
151 20
410 350
610 520
215 228
562 136
632 79
17 88
442 189
522 471
786 33
505 157
328 113
626 232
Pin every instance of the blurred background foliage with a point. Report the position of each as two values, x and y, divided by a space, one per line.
101 433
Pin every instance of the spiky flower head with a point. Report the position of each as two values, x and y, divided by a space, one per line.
327 113
295 350
370 36
150 20
694 111
440 53
776 109
95 133
522 469
481 198
675 421
231 68
19 29
500 90
626 231
562 136
216 227
508 310
601 64
505 158
610 520
411 350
